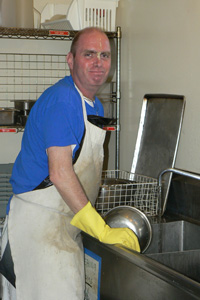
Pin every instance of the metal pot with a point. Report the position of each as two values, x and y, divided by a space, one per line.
133 218
24 106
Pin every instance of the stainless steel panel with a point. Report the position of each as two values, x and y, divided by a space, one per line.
184 198
185 262
158 136
174 236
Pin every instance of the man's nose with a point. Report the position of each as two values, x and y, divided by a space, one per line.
98 59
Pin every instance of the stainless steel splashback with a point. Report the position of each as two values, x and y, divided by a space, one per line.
158 136
184 199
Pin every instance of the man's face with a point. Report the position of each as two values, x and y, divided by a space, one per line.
91 65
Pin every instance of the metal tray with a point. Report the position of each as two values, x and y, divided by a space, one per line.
158 137
8 116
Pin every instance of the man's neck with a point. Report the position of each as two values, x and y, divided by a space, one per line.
87 92
90 95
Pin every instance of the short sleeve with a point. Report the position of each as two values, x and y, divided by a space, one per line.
60 126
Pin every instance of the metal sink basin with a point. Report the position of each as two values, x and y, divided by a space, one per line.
177 246
174 236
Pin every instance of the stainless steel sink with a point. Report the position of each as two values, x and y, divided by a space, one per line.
177 245
174 236
170 268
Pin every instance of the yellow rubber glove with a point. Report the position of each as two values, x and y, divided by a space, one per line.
89 221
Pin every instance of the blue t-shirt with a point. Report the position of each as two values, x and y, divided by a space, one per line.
56 119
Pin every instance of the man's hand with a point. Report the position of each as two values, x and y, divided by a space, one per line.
89 221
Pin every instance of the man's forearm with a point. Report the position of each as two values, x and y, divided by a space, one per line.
62 175
71 191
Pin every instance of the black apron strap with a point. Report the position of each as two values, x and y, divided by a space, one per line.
44 184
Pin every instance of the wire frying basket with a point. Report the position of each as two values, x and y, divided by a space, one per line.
123 188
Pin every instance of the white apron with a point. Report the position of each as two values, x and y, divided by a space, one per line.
47 251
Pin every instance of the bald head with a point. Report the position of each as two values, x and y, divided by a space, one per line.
80 34
89 60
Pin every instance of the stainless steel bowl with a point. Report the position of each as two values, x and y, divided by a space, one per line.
133 218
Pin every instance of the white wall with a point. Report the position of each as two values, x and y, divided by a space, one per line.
160 54
40 4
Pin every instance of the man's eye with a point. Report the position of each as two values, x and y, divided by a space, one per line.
89 54
105 55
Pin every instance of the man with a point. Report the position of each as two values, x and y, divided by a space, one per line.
47 213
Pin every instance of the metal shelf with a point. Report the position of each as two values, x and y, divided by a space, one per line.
41 34
63 35
12 128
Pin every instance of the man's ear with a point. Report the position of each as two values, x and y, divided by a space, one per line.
70 60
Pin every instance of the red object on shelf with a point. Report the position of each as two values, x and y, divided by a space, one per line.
59 32
8 130
109 128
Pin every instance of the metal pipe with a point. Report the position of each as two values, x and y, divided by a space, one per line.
118 96
179 172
